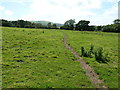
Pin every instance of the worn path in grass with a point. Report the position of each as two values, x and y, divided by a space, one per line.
94 78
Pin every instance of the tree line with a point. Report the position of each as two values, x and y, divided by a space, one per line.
26 24
82 25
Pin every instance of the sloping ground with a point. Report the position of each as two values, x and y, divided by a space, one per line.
109 42
45 23
37 58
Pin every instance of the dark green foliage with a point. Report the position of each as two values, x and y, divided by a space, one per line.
20 24
92 49
99 28
91 28
112 28
82 25
116 21
100 57
86 53
98 54
68 25
5 23
82 51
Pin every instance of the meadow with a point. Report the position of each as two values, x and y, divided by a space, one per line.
108 72
37 58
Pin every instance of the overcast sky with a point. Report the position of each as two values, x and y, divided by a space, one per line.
98 12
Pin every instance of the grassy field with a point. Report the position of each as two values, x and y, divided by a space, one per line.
109 42
37 58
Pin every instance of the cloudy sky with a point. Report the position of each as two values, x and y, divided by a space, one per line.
98 12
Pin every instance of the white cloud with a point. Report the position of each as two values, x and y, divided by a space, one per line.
62 10
4 11
2 8
8 12
15 0
107 17
111 11
111 0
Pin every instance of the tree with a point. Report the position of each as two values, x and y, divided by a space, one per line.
69 24
49 25
37 25
112 28
116 21
82 25
21 23
54 26
99 28
92 28
5 23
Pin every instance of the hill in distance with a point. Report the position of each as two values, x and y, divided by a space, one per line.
46 22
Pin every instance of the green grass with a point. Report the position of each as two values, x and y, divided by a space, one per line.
109 42
37 58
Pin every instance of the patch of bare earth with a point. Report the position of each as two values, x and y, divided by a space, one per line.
89 71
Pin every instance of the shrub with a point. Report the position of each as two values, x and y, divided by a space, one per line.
87 53
84 52
98 54
100 57
92 49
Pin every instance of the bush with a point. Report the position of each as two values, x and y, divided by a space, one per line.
92 49
100 57
87 53
98 54
84 52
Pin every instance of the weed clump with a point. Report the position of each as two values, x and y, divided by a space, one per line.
43 32
98 54
86 53
99 57
92 49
